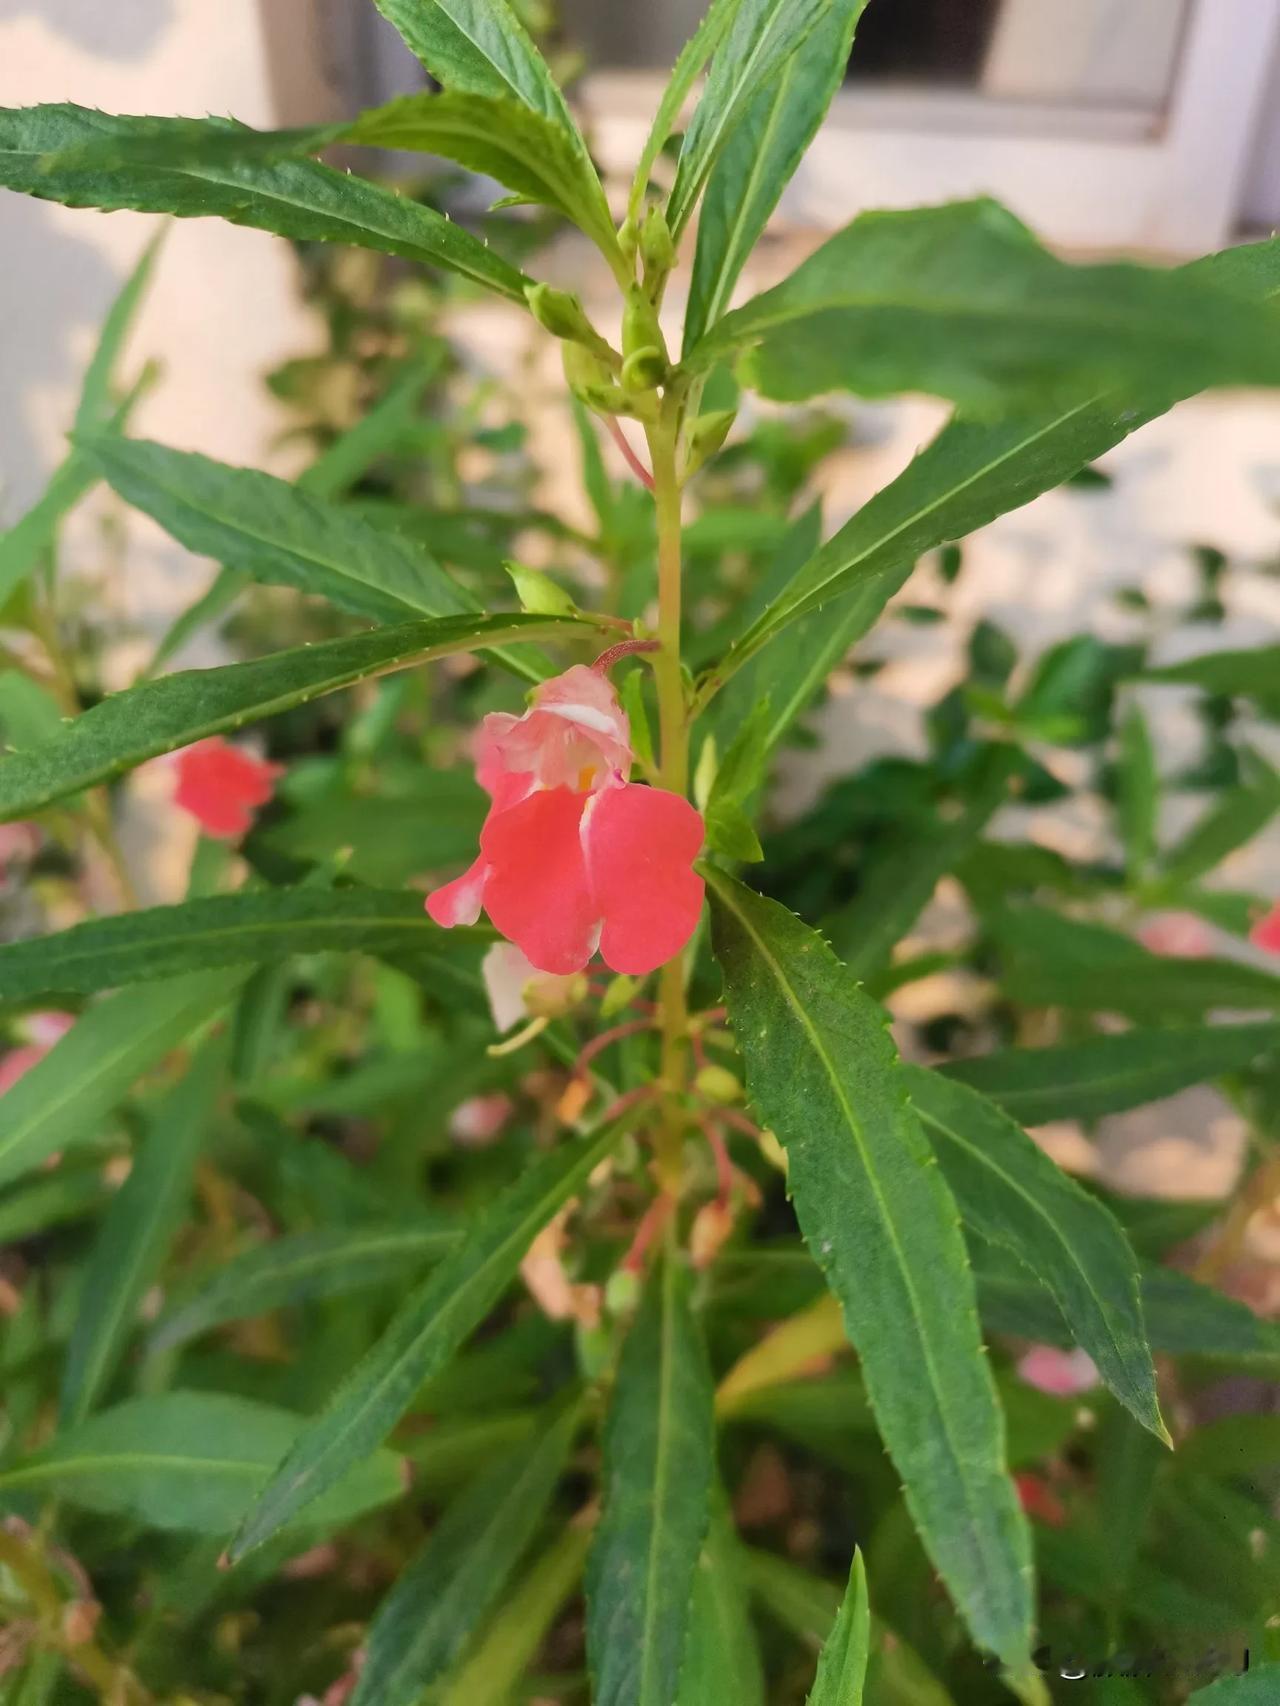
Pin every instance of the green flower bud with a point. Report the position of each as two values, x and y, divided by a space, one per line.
628 238
707 435
560 313
640 328
718 1084
643 369
538 593
657 250
621 1293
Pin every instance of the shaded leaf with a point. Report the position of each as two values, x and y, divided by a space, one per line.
722 1657
880 1223
842 1665
189 1461
658 1467
423 1335
1251 673
1011 1192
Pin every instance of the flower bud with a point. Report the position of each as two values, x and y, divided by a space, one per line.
707 435
561 313
592 382
712 1226
629 238
657 250
640 328
718 1084
622 1293
538 593
643 369
617 995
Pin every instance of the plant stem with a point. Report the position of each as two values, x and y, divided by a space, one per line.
673 774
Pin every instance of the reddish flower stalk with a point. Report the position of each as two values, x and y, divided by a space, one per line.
624 648
633 462
724 1167
605 1040
739 1122
652 1221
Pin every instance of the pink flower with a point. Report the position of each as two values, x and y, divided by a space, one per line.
573 856
1176 935
518 990
1039 1500
19 844
1062 1374
1266 932
475 1123
221 785
42 1031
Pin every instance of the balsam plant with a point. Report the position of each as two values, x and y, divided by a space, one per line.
735 1045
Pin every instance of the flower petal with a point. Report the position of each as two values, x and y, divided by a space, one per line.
220 785
1266 932
537 893
574 735
641 844
458 902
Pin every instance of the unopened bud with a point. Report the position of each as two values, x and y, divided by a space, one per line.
538 593
622 1293
657 250
551 995
591 382
707 435
640 328
644 369
718 1084
560 313
629 238
711 1228
617 995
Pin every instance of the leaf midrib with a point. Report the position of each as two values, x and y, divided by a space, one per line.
976 1529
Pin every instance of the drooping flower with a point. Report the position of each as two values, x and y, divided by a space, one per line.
222 786
41 1031
1266 932
518 990
1177 935
1062 1374
573 856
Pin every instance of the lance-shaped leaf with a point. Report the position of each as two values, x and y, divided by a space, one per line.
842 1664
659 1459
423 1335
722 1656
188 1461
759 161
135 1235
692 57
1239 815
444 1594
251 928
1253 673
761 38
1138 793
158 716
962 302
294 198
1108 1074
880 1222
328 1261
967 477
63 1099
277 533
1012 1193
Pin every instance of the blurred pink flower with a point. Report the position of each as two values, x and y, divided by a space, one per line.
222 785
573 856
518 990
475 1123
42 1031
1177 935
19 844
1266 932
1062 1374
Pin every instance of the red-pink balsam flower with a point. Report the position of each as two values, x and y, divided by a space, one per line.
40 1031
573 856
222 786
1266 932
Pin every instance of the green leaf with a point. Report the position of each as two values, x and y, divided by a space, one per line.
294 198
759 161
277 533
881 1224
97 405
761 37
63 1197
693 56
250 928
1109 1074
521 1624
1051 961
423 1335
1138 799
189 1461
967 477
1012 1193
444 1594
721 1657
481 48
1257 1687
156 717
135 1234
1239 815
1253 673
659 1460
962 302
28 712
842 1665
328 1261
63 1099
900 884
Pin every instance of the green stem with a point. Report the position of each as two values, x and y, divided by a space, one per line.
673 773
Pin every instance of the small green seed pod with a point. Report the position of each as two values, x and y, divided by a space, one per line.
643 369
560 313
640 328
657 250
718 1084
707 435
